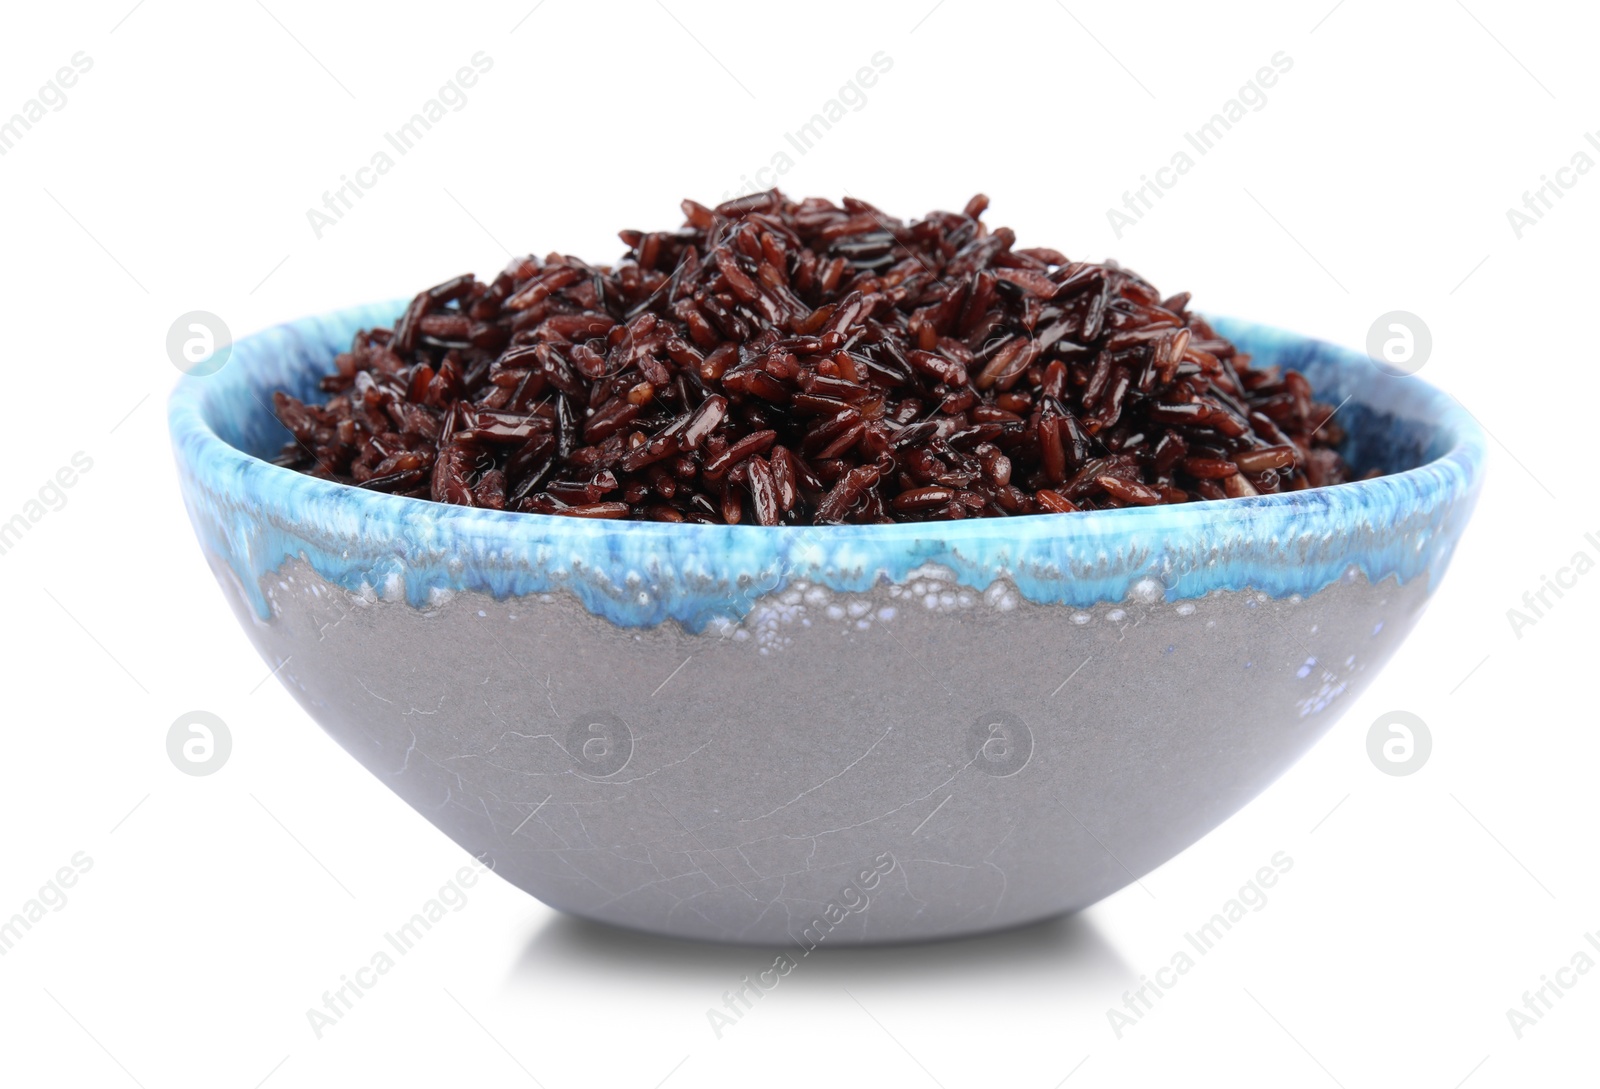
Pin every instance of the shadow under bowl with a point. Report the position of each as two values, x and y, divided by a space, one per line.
841 734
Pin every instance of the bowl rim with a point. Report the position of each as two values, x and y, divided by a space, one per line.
217 473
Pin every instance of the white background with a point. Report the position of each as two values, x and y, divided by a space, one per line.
1377 177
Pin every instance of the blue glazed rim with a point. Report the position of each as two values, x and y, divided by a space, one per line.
253 516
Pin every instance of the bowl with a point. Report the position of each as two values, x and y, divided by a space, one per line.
832 734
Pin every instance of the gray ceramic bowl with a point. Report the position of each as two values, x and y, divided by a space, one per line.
839 734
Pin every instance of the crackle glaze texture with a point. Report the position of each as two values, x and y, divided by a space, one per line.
840 734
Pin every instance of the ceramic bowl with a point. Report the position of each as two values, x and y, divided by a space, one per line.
830 734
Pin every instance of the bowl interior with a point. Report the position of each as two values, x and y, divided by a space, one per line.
1392 424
